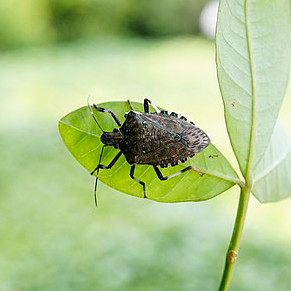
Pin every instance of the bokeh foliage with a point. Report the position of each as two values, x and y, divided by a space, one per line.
50 21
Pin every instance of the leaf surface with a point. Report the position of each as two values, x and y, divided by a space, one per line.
253 55
81 136
273 173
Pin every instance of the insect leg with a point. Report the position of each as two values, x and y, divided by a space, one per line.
138 181
146 103
162 178
102 167
130 106
101 109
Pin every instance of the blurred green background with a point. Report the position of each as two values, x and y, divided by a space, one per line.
53 55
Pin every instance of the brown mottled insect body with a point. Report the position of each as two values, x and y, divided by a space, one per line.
160 139
157 139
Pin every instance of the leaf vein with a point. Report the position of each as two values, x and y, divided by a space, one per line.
274 165
79 129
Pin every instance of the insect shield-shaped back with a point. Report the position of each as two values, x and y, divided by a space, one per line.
160 139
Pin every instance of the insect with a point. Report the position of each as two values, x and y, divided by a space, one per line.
151 138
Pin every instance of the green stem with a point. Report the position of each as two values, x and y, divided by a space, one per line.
232 252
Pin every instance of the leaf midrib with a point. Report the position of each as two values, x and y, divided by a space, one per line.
248 171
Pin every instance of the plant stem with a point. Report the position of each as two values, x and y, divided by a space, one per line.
232 252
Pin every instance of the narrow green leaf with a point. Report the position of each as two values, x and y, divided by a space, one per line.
273 173
253 55
82 138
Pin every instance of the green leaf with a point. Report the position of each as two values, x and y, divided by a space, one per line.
253 55
81 135
273 173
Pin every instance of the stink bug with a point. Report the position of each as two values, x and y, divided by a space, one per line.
151 138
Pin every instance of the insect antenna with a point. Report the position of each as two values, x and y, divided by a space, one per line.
97 176
93 115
